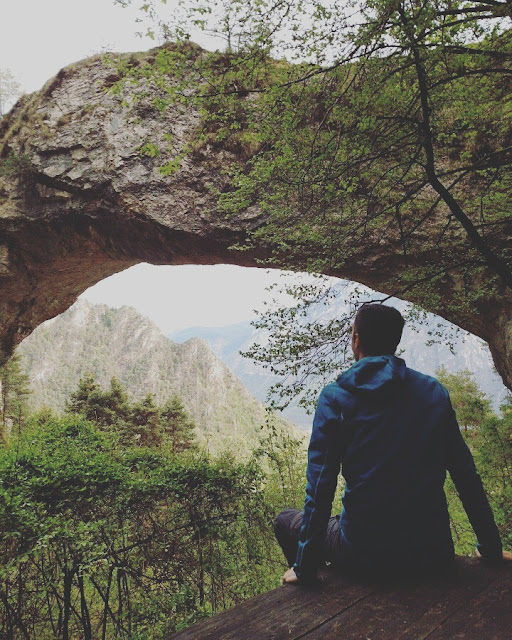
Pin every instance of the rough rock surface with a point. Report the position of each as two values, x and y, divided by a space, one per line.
80 201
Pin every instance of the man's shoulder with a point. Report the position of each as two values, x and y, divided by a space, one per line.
334 391
336 396
416 381
426 382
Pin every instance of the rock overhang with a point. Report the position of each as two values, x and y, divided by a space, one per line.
83 195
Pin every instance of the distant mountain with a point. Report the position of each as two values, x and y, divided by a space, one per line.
469 352
227 343
120 342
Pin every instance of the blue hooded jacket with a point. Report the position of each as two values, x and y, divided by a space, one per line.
394 433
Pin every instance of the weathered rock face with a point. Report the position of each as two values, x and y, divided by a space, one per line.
90 204
82 198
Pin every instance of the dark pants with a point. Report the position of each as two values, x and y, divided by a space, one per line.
287 527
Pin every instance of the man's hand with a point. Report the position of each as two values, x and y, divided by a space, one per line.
507 555
289 577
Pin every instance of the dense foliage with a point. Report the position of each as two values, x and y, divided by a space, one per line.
489 438
115 525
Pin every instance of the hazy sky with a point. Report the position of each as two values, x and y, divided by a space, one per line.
39 37
187 296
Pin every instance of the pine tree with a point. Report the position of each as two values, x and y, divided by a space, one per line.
78 400
118 398
177 428
14 390
145 421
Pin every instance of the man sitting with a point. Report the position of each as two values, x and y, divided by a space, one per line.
394 433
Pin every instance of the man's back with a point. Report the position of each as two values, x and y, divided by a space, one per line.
394 433
395 450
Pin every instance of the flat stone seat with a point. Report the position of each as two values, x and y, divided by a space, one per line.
473 601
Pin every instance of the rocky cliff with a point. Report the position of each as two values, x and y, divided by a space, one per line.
82 196
122 343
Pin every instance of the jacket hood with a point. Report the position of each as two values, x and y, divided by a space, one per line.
373 374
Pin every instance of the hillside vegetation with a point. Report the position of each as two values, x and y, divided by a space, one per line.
115 524
121 343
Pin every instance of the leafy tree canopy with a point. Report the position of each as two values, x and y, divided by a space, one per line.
472 406
383 126
383 149
490 439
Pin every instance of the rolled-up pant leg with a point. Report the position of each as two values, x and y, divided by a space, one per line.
287 526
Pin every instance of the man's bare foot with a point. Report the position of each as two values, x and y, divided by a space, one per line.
289 577
507 555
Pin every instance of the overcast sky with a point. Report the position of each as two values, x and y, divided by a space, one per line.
187 296
39 37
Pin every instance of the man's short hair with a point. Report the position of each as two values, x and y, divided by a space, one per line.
379 329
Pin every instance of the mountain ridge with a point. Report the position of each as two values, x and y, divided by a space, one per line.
122 343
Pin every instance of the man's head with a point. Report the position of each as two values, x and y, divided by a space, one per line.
377 331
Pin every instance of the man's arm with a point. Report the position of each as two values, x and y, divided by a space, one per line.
461 466
322 475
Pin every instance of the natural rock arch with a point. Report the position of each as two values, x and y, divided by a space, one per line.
79 201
